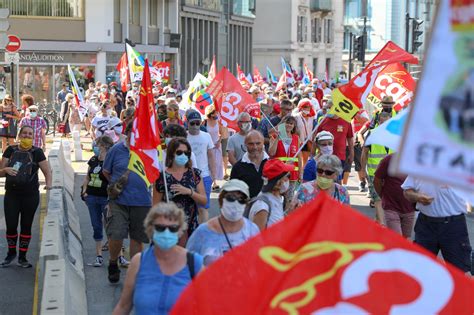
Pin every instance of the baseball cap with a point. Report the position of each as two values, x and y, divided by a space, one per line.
193 115
236 185
273 170
33 107
324 135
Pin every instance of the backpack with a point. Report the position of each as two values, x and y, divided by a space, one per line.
252 201
23 162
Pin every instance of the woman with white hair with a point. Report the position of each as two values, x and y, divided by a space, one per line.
328 169
66 108
157 276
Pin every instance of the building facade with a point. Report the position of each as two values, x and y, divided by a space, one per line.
87 34
302 32
220 28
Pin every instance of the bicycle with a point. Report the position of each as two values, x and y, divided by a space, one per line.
50 115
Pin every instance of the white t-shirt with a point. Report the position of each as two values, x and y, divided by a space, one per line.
200 144
276 203
100 123
445 203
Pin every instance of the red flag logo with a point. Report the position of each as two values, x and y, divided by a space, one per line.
242 78
122 68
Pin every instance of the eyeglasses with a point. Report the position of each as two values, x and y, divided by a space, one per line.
181 152
231 198
162 228
326 172
195 123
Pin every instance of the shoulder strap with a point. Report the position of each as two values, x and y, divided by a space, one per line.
190 263
269 204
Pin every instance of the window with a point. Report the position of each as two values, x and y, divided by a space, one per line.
135 12
301 29
315 67
153 13
328 30
328 68
49 8
316 30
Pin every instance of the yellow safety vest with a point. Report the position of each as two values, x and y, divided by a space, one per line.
376 153
291 159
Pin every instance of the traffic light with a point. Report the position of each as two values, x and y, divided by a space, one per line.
4 27
359 48
416 33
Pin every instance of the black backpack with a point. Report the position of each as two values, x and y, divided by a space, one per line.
24 163
252 201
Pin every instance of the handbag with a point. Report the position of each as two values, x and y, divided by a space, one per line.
61 127
116 188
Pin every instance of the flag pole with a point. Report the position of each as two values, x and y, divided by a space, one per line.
160 150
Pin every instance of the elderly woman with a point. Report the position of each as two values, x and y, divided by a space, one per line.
328 170
324 146
156 277
9 116
20 164
66 108
229 229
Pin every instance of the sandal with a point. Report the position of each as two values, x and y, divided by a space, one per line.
105 247
216 188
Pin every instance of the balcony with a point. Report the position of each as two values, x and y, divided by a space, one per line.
320 5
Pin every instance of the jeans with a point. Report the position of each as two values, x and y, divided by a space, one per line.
207 181
96 205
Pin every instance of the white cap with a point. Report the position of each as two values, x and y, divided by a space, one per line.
237 185
324 135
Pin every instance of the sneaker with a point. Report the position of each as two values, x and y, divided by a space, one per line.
362 187
99 260
8 260
123 262
114 273
23 263
368 194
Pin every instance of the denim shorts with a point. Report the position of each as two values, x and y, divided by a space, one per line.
124 220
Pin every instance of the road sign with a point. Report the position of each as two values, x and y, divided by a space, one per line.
14 44
12 58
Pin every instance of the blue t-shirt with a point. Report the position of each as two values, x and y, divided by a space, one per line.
309 172
135 192
212 245
156 293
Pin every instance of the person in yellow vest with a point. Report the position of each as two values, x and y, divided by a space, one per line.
386 104
372 155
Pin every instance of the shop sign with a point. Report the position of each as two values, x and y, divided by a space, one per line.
45 57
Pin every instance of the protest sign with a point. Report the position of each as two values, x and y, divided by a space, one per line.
326 258
440 128
163 69
231 99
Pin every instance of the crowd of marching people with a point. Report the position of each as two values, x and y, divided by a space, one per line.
297 149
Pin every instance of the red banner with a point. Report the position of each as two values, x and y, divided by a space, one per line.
242 78
231 99
326 258
395 81
212 70
163 69
257 77
122 68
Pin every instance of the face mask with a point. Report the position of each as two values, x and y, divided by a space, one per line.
162 116
310 95
109 112
96 151
165 240
103 90
26 143
194 130
113 92
387 110
181 160
232 211
246 127
33 114
324 183
135 88
270 95
284 187
326 150
171 115
305 112
168 140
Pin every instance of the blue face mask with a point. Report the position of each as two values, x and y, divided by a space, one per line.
96 150
165 240
181 159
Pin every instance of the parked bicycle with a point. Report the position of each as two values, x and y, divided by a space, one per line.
50 113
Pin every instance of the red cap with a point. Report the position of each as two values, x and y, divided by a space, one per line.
306 102
276 108
274 167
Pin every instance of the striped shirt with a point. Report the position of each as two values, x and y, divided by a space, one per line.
37 124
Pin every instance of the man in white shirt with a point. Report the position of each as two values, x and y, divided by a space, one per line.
202 145
236 146
441 224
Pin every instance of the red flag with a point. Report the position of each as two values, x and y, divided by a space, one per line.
257 77
281 82
309 74
231 99
326 257
395 81
122 68
145 137
242 78
212 70
163 69
391 53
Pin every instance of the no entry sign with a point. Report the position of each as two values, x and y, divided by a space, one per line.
14 44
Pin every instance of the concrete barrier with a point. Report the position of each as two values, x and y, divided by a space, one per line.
61 277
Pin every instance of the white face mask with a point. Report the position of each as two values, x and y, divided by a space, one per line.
33 114
232 211
326 150
284 187
310 95
305 112
246 127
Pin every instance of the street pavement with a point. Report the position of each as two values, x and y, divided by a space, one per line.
18 285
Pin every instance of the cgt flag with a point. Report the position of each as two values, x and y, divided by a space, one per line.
349 98
257 77
231 99
122 68
325 258
80 103
145 134
242 78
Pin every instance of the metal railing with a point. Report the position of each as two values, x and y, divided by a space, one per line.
45 8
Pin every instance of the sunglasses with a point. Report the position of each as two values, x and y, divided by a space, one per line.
231 198
326 172
162 228
195 123
181 152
